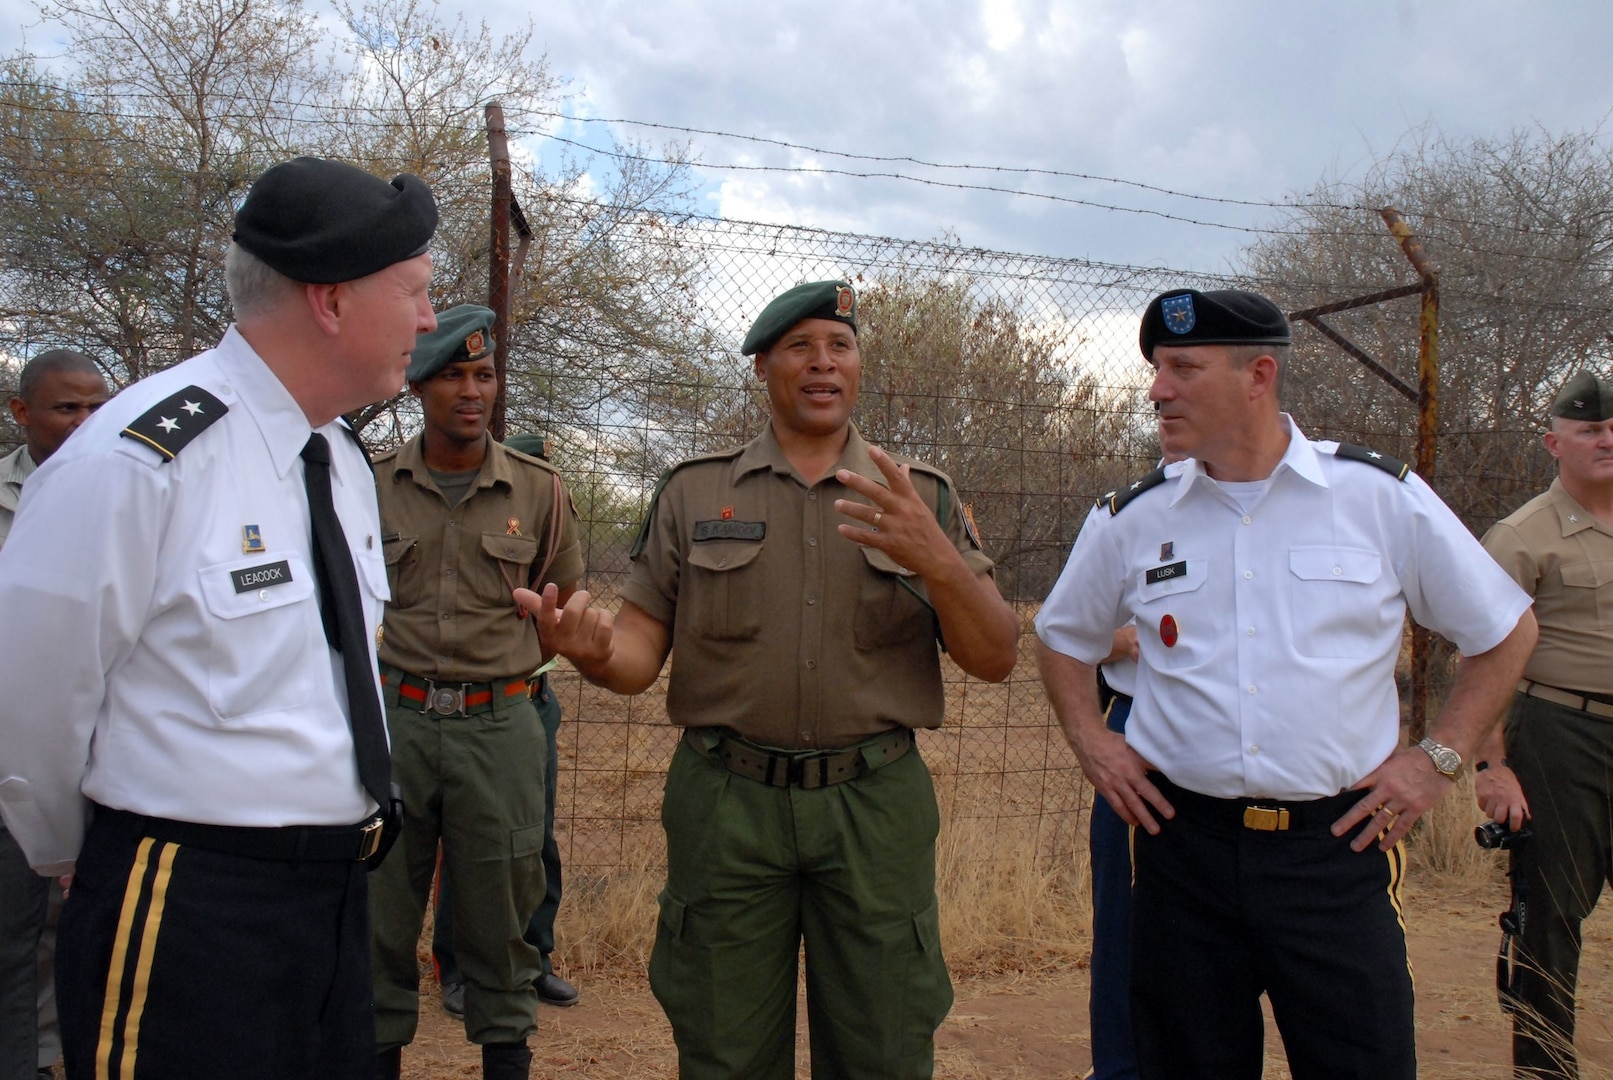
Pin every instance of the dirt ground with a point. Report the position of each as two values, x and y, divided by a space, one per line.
1018 1027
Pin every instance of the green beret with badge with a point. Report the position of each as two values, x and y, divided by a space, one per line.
323 222
463 333
1584 396
835 300
1219 317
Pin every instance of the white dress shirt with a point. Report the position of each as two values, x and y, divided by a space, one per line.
1286 617
162 650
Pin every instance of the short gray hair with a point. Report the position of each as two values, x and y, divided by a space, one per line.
255 287
1238 356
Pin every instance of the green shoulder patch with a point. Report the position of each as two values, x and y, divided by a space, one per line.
169 426
1391 465
1118 499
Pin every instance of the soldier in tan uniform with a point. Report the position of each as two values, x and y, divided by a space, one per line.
1555 765
464 523
802 585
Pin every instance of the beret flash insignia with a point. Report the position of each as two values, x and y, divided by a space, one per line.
843 301
1177 311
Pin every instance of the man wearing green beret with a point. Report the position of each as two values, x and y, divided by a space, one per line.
803 585
552 989
1553 767
465 522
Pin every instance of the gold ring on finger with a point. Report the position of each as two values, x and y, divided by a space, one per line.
877 515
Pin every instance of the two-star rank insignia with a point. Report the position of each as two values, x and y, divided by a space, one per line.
169 426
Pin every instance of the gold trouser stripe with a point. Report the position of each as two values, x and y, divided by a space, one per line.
115 978
1397 878
148 949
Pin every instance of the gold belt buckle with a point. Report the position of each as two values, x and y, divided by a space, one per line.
1265 819
369 839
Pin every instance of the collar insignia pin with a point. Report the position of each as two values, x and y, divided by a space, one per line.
728 513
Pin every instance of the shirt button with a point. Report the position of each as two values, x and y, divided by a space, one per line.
1247 574
1337 570
806 736
812 541
452 524
447 615
1251 688
812 496
263 594
1254 748
1247 519
812 665
1250 632
811 600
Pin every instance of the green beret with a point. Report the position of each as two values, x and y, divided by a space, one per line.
1584 397
463 333
1221 317
322 222
814 300
530 445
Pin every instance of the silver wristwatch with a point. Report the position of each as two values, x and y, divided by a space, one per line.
1447 761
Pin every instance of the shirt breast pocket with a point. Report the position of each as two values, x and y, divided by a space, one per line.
259 655
722 598
1166 610
1588 592
888 612
1333 604
511 560
402 555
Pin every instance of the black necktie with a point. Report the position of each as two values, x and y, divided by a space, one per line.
343 613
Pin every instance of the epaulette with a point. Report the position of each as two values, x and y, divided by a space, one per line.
169 426
1393 466
1116 500
660 485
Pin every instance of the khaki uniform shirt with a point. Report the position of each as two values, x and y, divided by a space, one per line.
1563 557
452 617
15 468
783 629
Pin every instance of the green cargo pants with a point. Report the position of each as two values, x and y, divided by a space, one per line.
752 871
477 783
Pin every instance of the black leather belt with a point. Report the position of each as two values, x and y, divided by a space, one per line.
1260 815
808 770
292 843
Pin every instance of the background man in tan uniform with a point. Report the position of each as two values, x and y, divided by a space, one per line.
464 522
801 584
1558 748
57 392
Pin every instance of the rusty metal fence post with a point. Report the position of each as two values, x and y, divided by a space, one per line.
498 258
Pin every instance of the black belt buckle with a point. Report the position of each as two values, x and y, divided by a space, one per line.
369 839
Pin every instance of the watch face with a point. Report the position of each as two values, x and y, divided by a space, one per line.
1445 759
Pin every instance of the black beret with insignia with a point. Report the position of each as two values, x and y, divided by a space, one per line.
1219 317
835 300
322 222
1584 397
463 333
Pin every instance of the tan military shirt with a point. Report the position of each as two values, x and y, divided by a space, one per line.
1563 557
15 468
783 629
451 569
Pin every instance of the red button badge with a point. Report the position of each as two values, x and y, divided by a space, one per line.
1167 630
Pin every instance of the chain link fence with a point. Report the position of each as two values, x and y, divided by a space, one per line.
1029 454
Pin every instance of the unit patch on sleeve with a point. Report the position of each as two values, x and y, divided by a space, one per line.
169 426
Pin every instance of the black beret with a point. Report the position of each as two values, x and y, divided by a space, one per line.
321 222
463 333
1220 317
815 300
1584 397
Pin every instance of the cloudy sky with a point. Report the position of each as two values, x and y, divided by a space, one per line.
1252 100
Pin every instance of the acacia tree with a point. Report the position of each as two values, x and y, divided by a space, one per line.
1521 230
119 177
